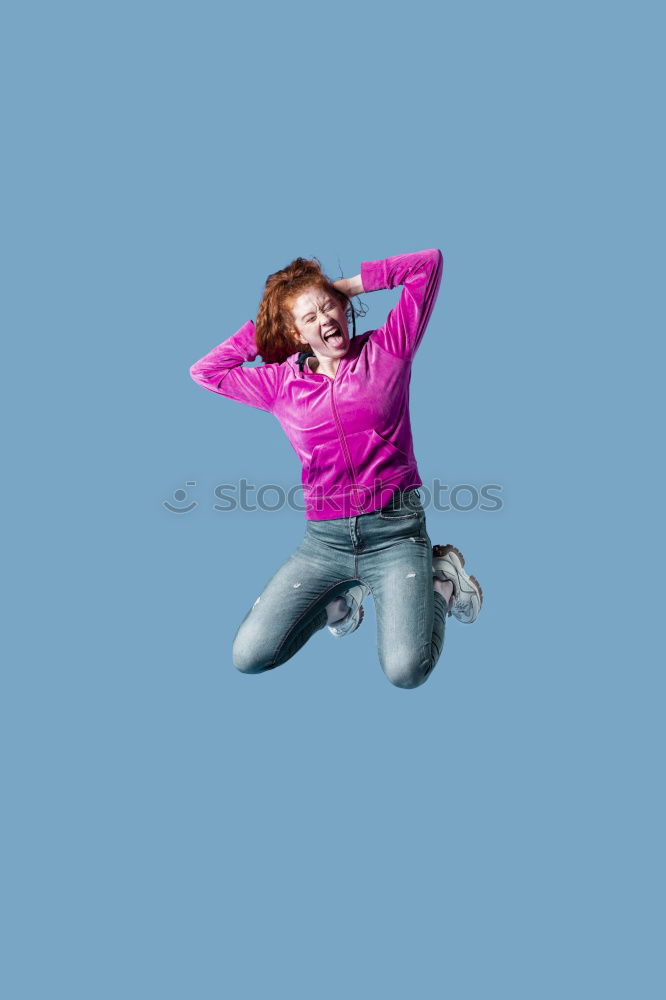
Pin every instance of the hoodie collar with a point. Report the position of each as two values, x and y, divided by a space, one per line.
300 362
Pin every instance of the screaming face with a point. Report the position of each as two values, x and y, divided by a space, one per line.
320 323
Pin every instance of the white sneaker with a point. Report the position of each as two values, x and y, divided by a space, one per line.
354 598
467 597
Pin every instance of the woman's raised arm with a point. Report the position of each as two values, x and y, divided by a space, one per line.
350 286
222 371
420 274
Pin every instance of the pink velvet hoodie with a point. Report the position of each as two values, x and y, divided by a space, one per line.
351 433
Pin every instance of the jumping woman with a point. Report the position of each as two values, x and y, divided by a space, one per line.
343 402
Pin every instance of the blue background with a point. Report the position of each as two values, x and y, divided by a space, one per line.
173 828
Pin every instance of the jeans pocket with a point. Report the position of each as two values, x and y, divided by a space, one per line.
405 505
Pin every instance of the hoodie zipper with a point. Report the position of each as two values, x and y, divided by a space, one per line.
341 435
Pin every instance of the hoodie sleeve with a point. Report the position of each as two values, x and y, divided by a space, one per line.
222 371
420 274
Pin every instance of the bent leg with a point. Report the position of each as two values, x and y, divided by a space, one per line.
411 615
290 609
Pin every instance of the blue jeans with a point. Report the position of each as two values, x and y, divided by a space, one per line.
388 550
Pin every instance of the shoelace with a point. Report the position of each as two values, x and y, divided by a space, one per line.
465 606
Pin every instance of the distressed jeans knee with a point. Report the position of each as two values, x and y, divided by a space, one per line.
406 670
247 657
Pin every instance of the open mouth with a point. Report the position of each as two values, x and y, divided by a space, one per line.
335 338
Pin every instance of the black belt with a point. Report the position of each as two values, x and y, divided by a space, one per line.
399 496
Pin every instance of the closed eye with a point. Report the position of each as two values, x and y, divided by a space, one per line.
328 306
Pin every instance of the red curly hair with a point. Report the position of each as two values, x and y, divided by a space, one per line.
274 319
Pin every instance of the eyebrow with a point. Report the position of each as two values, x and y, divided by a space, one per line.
310 311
